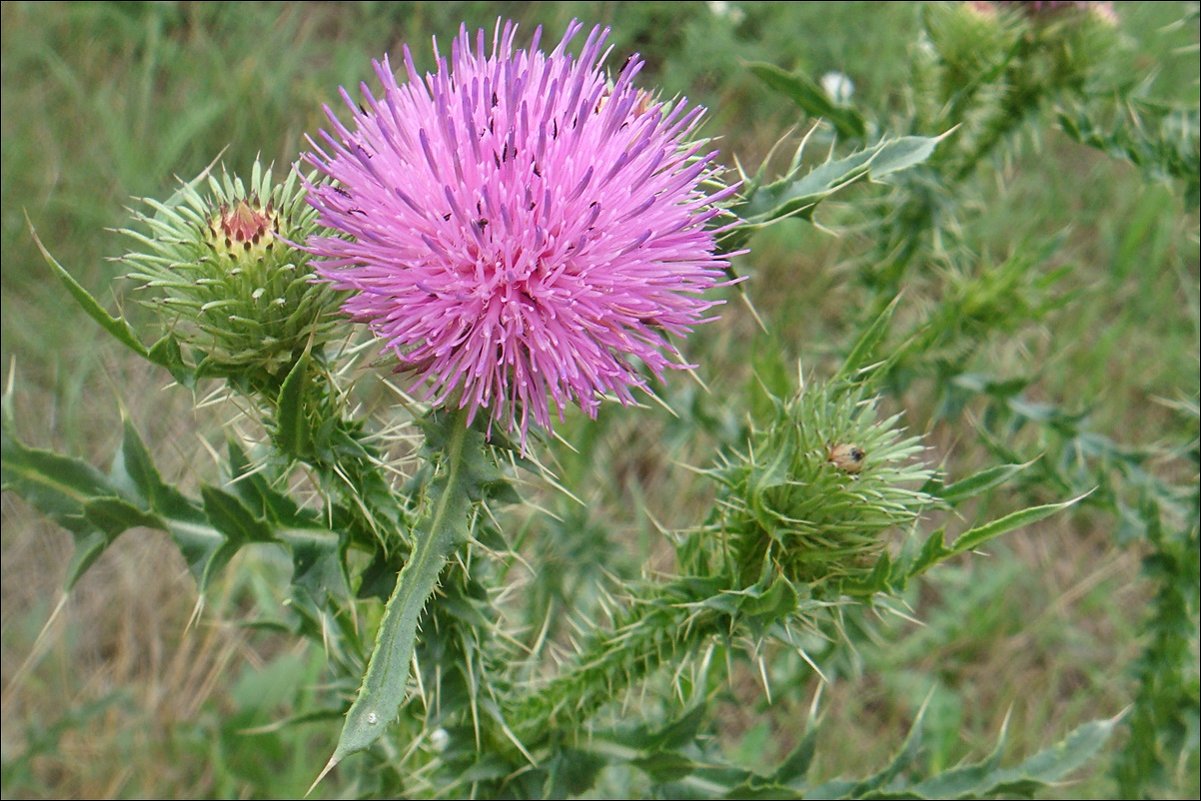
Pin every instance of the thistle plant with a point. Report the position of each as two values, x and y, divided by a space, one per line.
516 234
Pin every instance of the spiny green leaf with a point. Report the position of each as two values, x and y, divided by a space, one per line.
791 196
232 519
772 380
665 766
97 509
384 684
1043 769
572 772
115 515
291 424
116 326
88 547
252 487
136 468
679 732
879 580
865 347
317 564
796 764
57 485
197 541
870 786
904 758
773 604
111 517
166 353
807 94
237 523
973 538
903 154
933 551
978 483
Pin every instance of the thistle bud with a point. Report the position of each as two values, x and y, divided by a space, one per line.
818 489
970 39
226 279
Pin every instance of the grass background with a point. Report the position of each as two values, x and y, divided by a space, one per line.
102 102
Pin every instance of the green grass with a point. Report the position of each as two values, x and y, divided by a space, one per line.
122 698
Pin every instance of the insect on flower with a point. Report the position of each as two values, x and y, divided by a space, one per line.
847 458
520 231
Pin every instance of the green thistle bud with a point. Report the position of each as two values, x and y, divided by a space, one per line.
970 39
819 487
228 281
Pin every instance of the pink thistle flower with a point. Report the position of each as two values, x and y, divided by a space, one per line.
519 230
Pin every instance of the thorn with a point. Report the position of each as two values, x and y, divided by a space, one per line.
513 739
809 661
39 644
746 301
333 761
664 403
10 385
196 612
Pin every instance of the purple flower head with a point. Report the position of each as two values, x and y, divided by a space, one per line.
520 230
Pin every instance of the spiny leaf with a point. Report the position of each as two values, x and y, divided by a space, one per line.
933 551
89 545
865 347
807 94
573 772
291 426
166 353
239 525
904 758
771 605
975 537
135 468
977 483
255 491
197 541
232 519
111 517
114 516
902 154
58 485
796 764
982 780
384 684
98 508
116 326
317 564
791 196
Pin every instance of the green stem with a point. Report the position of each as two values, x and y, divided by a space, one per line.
660 631
383 688
307 426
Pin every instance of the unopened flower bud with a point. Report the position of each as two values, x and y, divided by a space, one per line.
226 278
818 488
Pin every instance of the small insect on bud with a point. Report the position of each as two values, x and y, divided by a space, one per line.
847 458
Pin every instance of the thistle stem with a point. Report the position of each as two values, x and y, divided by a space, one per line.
652 634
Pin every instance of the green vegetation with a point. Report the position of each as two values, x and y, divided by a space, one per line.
1016 305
